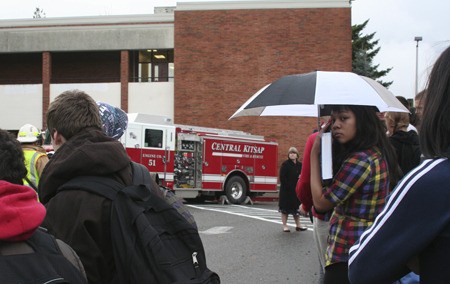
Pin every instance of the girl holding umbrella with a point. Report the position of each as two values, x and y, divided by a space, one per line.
364 171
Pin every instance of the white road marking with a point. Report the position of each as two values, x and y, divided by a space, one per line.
216 230
266 215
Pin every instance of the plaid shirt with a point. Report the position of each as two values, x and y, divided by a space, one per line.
358 190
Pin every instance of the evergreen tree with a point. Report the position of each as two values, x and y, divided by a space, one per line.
38 13
364 49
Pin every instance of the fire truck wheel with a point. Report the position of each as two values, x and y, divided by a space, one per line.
236 190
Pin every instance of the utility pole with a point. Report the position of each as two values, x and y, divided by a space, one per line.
417 39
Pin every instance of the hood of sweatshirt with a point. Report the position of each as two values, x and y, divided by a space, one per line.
21 212
403 137
88 153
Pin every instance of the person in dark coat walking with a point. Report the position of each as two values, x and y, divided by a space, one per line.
288 202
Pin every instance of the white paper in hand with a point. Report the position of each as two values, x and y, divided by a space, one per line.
326 158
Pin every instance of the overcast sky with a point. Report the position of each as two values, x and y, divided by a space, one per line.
396 23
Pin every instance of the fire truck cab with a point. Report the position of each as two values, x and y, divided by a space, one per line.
199 162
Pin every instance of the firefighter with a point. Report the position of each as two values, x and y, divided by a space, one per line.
35 156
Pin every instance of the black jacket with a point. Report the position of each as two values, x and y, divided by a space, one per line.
79 218
407 148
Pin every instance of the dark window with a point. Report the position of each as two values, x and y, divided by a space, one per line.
20 68
153 138
85 67
152 65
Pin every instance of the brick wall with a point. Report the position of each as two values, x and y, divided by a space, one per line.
223 57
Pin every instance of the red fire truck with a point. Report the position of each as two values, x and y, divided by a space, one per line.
199 162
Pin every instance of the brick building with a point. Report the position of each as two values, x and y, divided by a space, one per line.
196 62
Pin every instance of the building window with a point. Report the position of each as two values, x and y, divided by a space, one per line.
85 67
20 68
152 65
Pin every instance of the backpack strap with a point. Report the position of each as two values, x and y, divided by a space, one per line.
13 248
106 187
46 243
31 184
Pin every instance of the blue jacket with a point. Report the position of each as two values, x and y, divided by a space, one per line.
414 223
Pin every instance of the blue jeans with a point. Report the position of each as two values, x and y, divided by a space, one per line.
410 278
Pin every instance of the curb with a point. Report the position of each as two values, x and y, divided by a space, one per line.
269 197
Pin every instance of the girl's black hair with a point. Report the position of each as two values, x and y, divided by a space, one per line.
434 131
370 132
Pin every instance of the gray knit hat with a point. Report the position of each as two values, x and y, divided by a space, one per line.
293 150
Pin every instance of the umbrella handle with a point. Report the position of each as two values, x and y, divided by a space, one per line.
318 117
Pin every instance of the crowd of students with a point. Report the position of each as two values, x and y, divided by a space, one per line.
377 220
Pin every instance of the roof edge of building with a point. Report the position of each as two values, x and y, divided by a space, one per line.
262 4
88 20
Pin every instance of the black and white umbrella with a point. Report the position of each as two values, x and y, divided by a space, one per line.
301 94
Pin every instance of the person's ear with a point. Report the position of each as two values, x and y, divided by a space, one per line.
57 139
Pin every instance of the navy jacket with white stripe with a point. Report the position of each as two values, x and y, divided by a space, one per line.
414 223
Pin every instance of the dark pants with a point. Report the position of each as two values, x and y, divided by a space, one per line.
336 273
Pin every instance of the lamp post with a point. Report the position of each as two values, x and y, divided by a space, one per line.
417 39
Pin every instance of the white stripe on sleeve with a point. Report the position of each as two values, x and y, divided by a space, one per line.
396 197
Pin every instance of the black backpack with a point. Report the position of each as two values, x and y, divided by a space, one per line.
142 176
152 241
37 260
